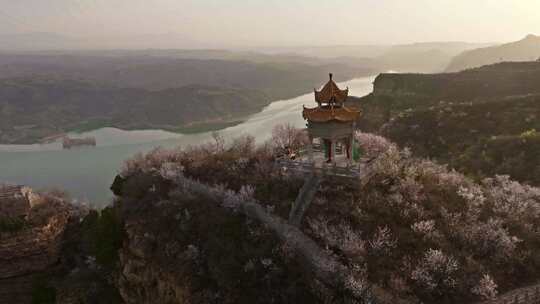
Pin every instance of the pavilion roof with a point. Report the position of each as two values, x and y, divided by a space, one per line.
331 93
328 113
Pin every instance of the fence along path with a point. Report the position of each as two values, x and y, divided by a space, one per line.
525 295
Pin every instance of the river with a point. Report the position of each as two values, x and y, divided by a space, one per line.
86 173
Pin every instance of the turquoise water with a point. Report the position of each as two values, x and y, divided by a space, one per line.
86 173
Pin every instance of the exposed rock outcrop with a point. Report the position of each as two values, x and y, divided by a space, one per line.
482 121
33 249
159 264
15 200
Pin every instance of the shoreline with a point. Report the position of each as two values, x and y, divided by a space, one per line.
86 173
181 130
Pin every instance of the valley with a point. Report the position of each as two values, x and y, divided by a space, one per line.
87 172
45 95
159 168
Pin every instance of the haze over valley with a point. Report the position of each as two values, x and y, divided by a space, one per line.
302 151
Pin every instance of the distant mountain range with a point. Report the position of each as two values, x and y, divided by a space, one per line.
46 92
423 57
527 49
279 77
376 50
417 57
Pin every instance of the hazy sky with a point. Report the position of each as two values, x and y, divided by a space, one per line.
278 22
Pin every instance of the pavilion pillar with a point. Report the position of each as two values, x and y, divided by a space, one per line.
310 149
333 149
328 149
348 148
351 142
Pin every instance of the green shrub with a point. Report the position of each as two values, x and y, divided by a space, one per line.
103 232
529 133
42 291
108 237
11 224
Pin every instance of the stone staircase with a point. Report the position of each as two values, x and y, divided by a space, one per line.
304 199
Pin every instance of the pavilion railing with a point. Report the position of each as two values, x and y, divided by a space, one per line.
350 171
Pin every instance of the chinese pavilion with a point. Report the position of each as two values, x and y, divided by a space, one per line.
331 121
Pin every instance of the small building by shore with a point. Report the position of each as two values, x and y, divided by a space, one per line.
68 143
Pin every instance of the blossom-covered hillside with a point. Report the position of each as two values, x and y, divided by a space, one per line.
208 224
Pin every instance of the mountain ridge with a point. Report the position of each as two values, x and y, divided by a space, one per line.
458 118
526 49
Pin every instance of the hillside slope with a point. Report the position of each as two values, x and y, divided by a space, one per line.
415 232
278 77
526 49
458 117
43 94
429 57
209 224
31 109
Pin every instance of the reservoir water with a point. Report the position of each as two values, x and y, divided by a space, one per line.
86 173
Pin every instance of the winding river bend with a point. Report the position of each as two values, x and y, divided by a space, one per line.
86 173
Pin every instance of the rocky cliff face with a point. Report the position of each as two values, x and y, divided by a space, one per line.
209 225
189 239
463 118
142 279
15 200
32 250
502 79
180 246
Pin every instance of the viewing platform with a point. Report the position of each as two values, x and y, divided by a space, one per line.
340 168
